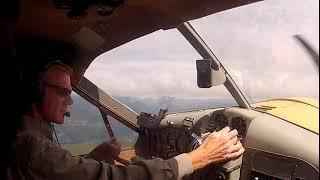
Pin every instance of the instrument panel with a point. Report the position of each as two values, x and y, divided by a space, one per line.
182 132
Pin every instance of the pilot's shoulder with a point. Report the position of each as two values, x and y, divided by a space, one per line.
31 141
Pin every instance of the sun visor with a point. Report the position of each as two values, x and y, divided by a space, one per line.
93 32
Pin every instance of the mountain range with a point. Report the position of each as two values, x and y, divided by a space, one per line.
86 126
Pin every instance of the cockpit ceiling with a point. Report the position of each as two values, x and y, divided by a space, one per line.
94 34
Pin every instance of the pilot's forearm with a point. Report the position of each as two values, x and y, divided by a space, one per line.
98 157
60 164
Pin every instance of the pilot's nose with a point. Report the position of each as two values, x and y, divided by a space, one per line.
69 100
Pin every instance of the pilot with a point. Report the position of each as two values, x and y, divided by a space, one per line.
30 152
36 156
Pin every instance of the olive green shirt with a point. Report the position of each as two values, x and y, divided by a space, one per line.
38 157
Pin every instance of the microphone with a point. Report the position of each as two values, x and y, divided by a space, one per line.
67 114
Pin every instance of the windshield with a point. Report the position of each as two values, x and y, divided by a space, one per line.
156 71
255 44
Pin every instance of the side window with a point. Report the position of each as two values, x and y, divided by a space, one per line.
126 136
85 128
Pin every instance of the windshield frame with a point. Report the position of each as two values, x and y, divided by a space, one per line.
203 49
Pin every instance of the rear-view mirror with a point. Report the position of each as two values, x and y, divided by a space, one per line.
207 76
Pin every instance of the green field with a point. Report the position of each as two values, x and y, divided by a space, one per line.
79 149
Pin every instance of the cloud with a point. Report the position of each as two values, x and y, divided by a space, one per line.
254 43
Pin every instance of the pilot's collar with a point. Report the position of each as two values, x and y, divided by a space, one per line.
37 125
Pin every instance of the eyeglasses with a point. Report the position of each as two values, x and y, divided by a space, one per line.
62 91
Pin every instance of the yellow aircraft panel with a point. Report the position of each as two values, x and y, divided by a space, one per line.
298 110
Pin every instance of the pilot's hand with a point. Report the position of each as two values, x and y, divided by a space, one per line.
106 151
218 146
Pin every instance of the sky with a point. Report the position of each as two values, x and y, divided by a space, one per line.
254 43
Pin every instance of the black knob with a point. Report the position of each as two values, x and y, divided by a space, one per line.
221 176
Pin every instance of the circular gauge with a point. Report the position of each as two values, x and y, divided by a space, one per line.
218 122
240 125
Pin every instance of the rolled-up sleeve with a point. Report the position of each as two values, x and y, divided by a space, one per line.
184 165
49 161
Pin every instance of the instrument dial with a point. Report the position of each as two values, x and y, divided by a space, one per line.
240 125
218 122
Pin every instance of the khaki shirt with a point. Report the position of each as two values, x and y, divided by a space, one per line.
38 157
